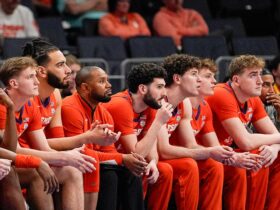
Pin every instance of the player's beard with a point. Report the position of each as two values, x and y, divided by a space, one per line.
150 101
100 98
55 82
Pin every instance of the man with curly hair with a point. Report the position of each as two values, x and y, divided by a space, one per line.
196 171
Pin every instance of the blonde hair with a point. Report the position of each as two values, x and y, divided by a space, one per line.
209 64
14 66
239 64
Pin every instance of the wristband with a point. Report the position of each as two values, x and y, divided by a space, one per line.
27 161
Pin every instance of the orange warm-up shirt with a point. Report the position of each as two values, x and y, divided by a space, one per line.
111 25
47 109
173 123
28 119
184 22
77 117
126 120
224 106
202 120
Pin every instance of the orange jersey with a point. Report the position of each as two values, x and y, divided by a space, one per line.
174 121
126 120
202 119
224 106
77 117
47 109
27 120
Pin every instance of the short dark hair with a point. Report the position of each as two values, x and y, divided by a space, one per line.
273 64
144 74
83 76
13 67
179 64
266 71
39 50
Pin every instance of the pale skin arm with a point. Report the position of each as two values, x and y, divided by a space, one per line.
245 160
269 153
247 141
152 172
143 146
168 151
37 140
187 138
50 182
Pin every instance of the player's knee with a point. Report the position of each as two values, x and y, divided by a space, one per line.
73 175
216 168
165 171
190 166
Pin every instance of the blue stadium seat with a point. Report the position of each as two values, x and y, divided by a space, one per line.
206 47
255 45
234 24
148 47
13 46
51 28
111 49
199 5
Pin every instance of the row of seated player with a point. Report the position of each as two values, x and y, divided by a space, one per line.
188 86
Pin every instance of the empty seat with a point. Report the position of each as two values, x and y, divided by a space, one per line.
14 46
257 15
111 49
255 45
151 47
51 28
90 27
199 5
206 47
234 24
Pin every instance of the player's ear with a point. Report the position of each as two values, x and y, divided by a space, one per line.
235 79
84 86
13 83
41 71
142 88
176 78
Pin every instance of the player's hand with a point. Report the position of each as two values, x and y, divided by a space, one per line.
51 183
247 161
274 99
165 112
269 153
152 172
220 153
101 134
5 99
78 160
5 167
135 163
